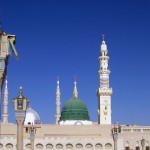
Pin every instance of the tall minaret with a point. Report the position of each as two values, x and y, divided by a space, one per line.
104 91
75 92
57 102
5 110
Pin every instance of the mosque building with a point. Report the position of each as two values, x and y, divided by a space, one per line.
73 129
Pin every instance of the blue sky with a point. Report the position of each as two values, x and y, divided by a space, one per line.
62 38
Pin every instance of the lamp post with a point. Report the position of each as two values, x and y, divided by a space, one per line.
32 132
143 141
115 132
20 107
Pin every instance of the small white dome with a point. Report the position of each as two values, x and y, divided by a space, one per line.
32 117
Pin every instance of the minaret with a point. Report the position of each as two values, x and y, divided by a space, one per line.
5 110
75 92
104 92
57 102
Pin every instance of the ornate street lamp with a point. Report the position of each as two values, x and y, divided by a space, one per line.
143 143
32 132
20 107
115 131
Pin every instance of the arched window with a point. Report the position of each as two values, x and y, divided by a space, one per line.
99 146
49 146
59 146
89 146
79 146
69 146
28 146
39 146
108 146
9 146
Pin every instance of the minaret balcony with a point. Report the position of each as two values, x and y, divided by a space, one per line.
104 92
104 71
104 57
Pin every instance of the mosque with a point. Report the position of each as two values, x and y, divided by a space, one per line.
73 129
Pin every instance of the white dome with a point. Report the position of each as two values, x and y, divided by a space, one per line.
32 117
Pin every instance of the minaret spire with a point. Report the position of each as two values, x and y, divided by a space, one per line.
104 92
103 36
5 110
75 92
57 102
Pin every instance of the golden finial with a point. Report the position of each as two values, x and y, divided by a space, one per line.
75 92
20 91
57 80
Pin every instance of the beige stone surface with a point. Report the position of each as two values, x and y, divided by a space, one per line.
77 137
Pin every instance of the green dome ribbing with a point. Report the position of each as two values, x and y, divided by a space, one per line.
74 109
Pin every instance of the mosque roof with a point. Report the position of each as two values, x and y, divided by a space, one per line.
74 109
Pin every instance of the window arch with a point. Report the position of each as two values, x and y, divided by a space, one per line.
49 146
59 146
108 146
69 146
89 146
39 146
9 146
79 145
28 146
99 146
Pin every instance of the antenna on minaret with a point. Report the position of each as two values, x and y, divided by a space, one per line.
75 92
57 102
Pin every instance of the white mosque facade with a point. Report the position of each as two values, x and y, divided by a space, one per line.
73 129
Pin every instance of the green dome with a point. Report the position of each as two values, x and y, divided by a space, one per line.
74 109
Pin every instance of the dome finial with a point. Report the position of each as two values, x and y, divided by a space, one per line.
103 45
20 91
75 92
58 89
103 39
58 80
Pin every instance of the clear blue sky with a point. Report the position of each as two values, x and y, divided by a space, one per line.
62 38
